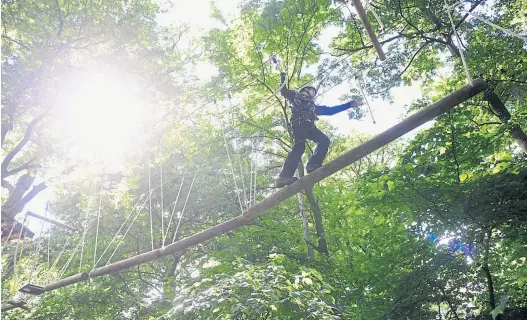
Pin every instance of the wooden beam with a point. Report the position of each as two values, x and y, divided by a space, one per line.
407 125
369 29
60 224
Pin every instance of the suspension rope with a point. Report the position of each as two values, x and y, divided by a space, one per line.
11 231
184 206
67 264
460 46
240 165
19 246
251 176
61 252
255 172
120 228
150 206
507 31
9 237
162 212
173 209
126 232
87 225
370 7
49 240
229 157
97 228
39 243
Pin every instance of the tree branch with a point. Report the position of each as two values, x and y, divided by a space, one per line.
8 186
16 41
19 205
25 166
21 144
472 8
401 35
413 57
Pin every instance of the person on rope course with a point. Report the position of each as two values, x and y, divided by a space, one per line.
304 113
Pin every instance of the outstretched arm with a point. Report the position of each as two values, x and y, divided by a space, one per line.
329 111
288 94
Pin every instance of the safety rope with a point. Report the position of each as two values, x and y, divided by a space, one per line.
184 206
173 210
120 228
230 160
126 232
365 98
460 47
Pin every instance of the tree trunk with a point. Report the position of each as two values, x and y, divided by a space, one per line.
20 195
322 244
488 275
504 115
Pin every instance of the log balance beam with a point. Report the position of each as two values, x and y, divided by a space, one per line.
415 120
366 23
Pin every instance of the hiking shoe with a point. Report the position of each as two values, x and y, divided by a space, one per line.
311 168
285 181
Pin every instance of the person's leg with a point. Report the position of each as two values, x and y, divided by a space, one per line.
321 150
300 132
293 159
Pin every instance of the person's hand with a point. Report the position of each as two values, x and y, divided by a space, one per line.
354 104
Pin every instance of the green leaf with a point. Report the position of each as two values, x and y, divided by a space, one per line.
379 220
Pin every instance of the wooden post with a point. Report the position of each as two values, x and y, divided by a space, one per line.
420 117
369 29
504 115
60 224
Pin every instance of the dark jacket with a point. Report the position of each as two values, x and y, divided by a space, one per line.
308 110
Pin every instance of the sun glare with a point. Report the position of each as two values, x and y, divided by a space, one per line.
101 113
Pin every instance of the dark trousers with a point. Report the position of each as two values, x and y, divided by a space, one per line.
303 130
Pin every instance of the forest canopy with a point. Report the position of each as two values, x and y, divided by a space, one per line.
130 125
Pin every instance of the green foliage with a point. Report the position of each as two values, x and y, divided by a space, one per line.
260 291
416 230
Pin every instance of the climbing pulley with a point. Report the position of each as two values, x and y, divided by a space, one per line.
273 58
